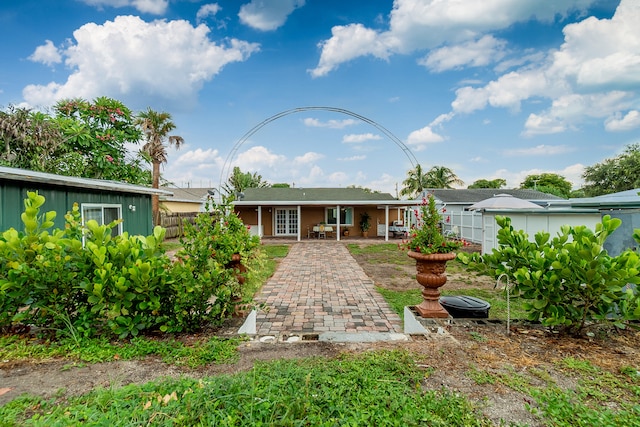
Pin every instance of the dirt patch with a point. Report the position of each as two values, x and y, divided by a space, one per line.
455 359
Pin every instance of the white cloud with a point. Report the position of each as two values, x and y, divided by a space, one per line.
599 52
348 42
360 138
207 10
47 54
539 150
571 110
258 158
131 58
475 53
156 7
332 124
426 24
618 122
506 92
418 139
197 156
352 158
307 158
267 16
594 74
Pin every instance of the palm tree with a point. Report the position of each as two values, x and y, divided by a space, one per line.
442 177
156 127
415 183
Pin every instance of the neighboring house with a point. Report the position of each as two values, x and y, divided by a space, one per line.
458 200
101 200
624 205
532 221
468 225
185 199
294 212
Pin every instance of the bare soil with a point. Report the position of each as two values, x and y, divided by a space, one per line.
448 358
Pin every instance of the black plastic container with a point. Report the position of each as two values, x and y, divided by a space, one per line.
465 307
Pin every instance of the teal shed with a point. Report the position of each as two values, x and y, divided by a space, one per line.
101 200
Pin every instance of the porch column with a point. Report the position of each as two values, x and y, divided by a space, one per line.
260 221
338 223
299 222
386 223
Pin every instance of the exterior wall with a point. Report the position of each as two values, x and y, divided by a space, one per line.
622 238
533 223
61 200
181 206
313 215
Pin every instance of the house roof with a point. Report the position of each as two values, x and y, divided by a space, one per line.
309 196
186 195
23 175
474 195
628 198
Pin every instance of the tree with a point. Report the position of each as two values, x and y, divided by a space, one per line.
156 127
95 137
240 181
494 183
415 183
549 183
442 177
31 139
613 175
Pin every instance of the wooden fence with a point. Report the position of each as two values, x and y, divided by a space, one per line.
174 222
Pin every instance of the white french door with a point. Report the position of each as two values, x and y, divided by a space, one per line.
286 222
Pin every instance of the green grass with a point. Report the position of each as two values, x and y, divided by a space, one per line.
374 388
389 253
198 353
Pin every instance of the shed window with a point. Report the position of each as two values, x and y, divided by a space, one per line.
346 216
103 214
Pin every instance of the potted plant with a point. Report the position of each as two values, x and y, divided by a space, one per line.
431 250
365 223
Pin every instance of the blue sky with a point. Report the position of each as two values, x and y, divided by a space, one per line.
491 89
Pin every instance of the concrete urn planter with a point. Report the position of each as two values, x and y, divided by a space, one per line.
431 274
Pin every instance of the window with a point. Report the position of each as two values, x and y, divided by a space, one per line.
103 214
346 216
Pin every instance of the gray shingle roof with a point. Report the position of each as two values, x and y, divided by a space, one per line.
464 196
311 194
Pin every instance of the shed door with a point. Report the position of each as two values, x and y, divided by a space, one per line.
286 222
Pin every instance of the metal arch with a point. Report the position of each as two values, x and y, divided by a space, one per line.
227 163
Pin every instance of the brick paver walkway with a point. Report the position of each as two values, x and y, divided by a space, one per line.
318 288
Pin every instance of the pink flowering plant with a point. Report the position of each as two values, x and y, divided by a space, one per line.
426 236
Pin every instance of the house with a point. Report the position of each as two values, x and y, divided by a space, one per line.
185 199
101 200
624 205
305 212
458 220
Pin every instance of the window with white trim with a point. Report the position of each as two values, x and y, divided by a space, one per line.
346 216
103 214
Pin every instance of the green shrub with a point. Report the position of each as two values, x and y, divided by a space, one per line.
570 280
122 285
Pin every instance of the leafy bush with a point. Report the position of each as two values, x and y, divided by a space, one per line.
570 280
123 284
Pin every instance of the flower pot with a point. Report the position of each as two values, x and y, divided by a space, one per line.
431 274
365 234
